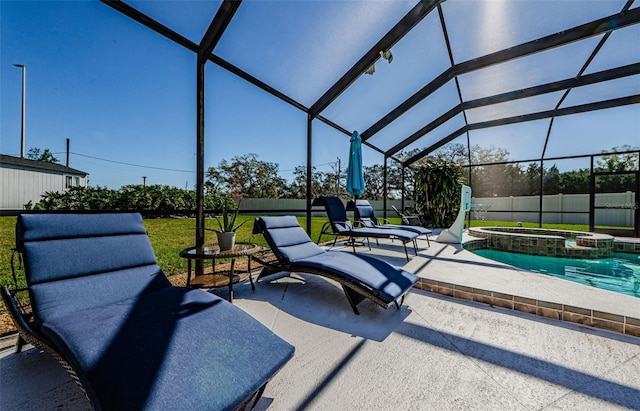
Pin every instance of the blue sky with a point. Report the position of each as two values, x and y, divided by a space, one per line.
123 93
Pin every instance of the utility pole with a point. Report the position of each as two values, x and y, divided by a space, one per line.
338 179
144 181
24 99
68 146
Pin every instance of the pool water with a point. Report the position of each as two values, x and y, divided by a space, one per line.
621 273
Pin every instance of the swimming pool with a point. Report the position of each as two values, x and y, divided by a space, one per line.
620 273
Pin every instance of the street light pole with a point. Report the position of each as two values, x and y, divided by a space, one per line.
24 87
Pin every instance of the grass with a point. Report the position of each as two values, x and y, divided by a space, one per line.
168 237
570 227
7 242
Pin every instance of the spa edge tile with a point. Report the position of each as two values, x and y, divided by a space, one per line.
499 302
428 287
480 291
525 300
549 313
527 308
482 298
446 284
608 325
463 295
503 296
577 310
632 330
633 321
553 306
445 291
576 318
464 288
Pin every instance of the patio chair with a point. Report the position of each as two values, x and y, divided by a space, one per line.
339 225
414 219
131 340
360 276
365 215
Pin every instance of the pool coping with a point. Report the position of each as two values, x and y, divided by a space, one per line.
621 323
556 311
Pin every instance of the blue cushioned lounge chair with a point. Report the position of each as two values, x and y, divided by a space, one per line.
339 225
105 310
361 276
365 215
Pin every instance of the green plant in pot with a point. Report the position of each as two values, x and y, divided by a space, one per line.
228 227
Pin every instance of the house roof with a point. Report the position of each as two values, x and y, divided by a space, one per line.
40 165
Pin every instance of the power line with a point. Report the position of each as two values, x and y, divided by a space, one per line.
315 165
130 164
165 169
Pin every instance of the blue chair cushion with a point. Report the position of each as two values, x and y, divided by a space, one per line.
378 232
335 208
76 261
172 348
39 227
365 212
289 239
383 279
367 216
135 341
49 260
59 298
337 214
412 228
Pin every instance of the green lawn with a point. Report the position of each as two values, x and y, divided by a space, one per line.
570 227
168 236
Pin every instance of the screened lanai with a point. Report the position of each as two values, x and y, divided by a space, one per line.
536 99
534 87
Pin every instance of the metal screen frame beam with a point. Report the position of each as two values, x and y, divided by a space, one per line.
397 32
207 44
594 28
573 82
154 25
582 108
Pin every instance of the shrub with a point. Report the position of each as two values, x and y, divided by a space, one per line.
438 184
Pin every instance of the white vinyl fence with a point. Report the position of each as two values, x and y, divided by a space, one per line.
277 206
561 208
558 208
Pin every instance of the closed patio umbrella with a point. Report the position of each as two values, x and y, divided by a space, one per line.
355 176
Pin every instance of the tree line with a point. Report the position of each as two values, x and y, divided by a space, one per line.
503 178
246 176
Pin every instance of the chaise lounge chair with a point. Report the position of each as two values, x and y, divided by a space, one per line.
365 215
130 339
413 219
361 276
339 225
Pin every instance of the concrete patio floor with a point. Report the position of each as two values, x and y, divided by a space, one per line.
436 353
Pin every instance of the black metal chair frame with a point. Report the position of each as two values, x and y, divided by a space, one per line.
355 292
412 219
22 318
329 228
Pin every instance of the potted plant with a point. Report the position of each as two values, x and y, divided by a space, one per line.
227 223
